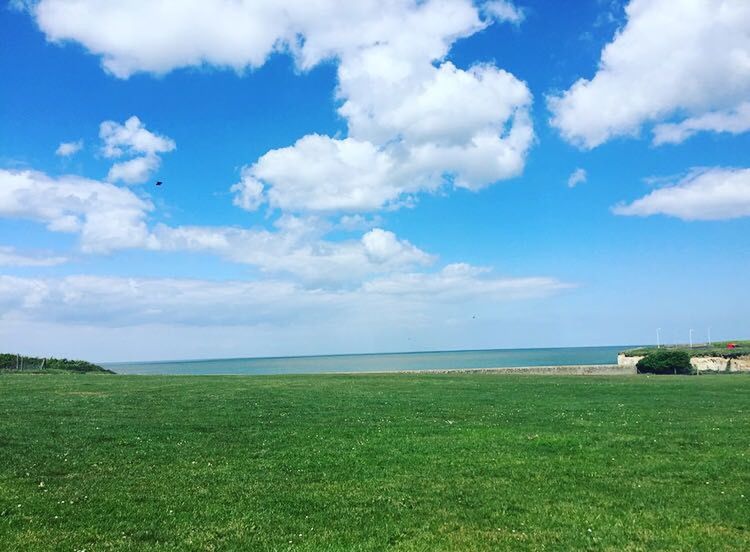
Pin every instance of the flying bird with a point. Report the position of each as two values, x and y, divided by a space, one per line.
158 182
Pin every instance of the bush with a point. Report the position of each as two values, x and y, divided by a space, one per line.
665 362
9 362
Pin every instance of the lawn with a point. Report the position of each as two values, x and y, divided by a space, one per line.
466 462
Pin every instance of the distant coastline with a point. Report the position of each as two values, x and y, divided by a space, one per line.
430 361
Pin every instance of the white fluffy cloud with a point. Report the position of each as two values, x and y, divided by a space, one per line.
105 216
468 128
733 121
108 218
705 194
296 247
158 37
132 139
421 121
578 176
319 173
503 10
66 149
9 256
680 60
134 171
248 192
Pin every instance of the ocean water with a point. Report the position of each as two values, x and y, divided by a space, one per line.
384 362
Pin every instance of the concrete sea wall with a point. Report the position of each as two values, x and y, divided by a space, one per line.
579 370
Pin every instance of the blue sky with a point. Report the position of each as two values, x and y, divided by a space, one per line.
378 177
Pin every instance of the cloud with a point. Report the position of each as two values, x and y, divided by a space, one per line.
296 247
319 173
134 171
158 37
704 194
108 218
351 223
105 216
679 60
132 139
113 302
504 11
460 282
468 129
248 192
416 122
66 149
10 257
733 121
577 177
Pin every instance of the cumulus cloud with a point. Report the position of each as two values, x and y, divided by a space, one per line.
733 121
132 139
158 37
466 128
680 60
248 192
134 171
503 10
416 122
10 257
320 173
578 176
108 218
704 194
105 216
296 247
66 149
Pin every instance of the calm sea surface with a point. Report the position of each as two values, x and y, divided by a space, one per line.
387 362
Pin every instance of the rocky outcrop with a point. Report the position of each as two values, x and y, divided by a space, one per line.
703 364
710 364
627 361
720 364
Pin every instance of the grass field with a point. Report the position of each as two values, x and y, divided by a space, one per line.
719 348
374 462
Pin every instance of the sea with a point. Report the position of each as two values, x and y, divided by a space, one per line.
380 362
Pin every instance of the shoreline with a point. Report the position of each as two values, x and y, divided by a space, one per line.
559 370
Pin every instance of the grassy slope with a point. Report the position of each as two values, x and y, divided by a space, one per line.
371 462
718 349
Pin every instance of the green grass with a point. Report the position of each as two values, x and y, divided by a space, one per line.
716 349
374 462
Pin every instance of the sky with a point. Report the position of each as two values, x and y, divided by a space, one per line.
375 176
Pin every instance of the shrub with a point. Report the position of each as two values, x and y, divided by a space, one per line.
665 362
